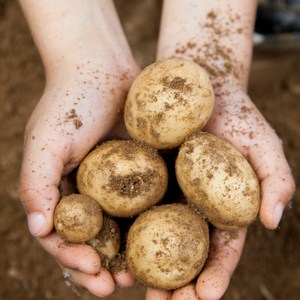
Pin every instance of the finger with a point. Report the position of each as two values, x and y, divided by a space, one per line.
277 183
154 294
124 279
39 193
72 256
225 251
101 284
277 190
186 293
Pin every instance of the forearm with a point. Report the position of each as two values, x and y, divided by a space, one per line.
216 34
67 30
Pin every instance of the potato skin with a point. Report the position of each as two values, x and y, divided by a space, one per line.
126 177
218 181
167 102
108 241
167 246
77 218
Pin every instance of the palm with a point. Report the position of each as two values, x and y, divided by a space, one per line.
71 117
236 119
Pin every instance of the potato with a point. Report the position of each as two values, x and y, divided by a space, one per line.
167 102
167 246
107 241
125 177
77 218
218 181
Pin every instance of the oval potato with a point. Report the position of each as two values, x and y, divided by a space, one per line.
218 181
167 246
125 177
167 102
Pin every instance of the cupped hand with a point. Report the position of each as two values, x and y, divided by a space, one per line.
80 106
236 119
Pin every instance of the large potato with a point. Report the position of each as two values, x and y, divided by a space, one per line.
167 246
125 177
168 101
218 181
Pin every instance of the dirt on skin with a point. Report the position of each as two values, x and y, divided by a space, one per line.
77 218
138 182
270 265
166 92
167 246
124 176
107 241
215 177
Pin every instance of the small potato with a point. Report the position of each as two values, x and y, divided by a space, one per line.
218 181
125 177
167 102
107 241
167 246
77 218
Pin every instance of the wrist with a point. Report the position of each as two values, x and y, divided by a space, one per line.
74 29
89 63
215 34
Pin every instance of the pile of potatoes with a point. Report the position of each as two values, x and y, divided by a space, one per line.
167 243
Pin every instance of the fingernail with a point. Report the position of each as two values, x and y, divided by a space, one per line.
278 214
36 223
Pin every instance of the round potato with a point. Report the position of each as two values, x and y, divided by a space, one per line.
167 246
125 177
167 102
218 181
77 218
107 242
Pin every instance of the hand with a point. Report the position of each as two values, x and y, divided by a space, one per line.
236 119
224 254
80 106
218 36
88 72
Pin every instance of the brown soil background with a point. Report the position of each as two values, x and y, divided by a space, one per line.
270 265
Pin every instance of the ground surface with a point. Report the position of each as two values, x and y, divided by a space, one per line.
270 265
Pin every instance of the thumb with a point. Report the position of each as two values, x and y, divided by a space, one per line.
40 176
274 173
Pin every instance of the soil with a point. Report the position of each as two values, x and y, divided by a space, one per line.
270 265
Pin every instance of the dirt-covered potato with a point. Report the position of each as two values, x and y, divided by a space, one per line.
107 241
167 246
125 177
167 102
218 181
77 218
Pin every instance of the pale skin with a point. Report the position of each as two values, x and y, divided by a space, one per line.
89 67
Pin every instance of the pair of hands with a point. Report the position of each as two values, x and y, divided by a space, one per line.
78 110
88 74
